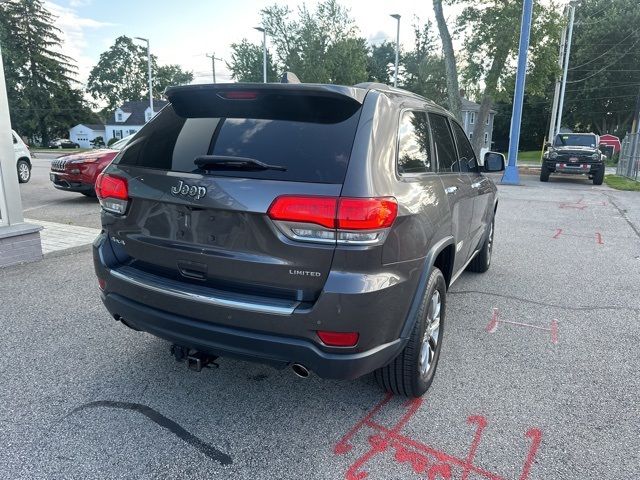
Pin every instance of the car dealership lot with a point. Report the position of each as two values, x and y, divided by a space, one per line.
537 379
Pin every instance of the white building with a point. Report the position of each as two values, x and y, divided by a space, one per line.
130 117
469 114
84 133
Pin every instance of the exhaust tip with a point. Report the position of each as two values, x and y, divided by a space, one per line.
300 370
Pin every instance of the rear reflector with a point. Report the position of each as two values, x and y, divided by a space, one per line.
101 284
339 339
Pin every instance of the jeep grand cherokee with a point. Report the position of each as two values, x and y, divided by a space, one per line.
317 226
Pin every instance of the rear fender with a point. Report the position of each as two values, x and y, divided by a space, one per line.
422 284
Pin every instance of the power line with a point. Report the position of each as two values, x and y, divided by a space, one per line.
604 53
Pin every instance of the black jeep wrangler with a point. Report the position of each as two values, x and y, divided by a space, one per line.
574 153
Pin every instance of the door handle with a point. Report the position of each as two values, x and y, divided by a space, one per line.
451 190
476 184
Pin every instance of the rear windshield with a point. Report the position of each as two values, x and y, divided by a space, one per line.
575 141
310 151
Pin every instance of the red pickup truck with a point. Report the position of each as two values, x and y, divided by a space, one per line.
78 172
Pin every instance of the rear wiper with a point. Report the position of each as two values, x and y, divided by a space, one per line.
229 162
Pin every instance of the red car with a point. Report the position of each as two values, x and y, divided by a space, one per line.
78 173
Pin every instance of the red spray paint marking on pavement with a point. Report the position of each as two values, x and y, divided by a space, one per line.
599 238
560 231
581 205
492 326
424 459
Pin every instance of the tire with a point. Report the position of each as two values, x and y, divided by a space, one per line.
598 178
544 173
482 261
24 171
410 374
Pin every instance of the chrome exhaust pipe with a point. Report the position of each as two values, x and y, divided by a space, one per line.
300 370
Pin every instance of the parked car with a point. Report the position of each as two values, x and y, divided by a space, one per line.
315 226
23 158
78 172
574 154
63 143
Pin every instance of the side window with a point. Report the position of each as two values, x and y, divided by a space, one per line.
443 143
466 157
414 144
15 140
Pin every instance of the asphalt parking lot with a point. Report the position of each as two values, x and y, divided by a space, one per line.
538 377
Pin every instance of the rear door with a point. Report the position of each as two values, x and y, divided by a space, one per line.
208 224
456 186
480 186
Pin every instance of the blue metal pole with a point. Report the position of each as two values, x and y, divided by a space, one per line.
511 175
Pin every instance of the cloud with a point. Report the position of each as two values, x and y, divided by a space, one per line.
73 27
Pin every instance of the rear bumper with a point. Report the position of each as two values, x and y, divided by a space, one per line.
248 345
271 332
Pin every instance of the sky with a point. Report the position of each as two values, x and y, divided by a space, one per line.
183 32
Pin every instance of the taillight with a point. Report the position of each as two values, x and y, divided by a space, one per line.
334 219
113 193
339 339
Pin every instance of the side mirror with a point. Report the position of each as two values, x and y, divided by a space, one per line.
493 162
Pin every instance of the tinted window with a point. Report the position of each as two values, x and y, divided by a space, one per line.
414 144
466 157
310 152
443 143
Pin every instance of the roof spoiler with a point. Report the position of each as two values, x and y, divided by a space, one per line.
292 101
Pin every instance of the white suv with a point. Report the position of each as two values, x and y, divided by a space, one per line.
23 158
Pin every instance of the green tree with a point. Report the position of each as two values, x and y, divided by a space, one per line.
490 47
424 70
381 61
247 63
43 100
604 74
320 45
121 74
451 68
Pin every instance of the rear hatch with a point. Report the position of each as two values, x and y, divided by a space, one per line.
204 172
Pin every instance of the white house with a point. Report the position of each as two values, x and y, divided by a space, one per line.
130 117
469 114
84 133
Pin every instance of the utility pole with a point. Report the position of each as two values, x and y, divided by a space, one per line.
264 52
150 74
213 64
395 72
572 13
511 175
556 95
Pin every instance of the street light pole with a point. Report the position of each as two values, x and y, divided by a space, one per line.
511 175
572 12
556 94
213 64
150 74
264 52
395 73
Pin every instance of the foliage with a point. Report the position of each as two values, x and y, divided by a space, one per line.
247 63
43 98
121 74
604 77
380 62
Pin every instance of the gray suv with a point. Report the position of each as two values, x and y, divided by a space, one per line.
314 226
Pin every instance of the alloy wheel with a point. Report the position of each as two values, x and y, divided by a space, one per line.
431 335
